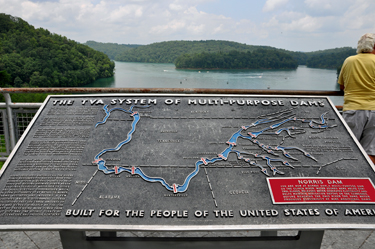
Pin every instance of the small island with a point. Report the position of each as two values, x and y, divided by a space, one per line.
257 59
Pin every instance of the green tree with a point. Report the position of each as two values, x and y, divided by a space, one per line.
5 78
18 82
35 57
258 59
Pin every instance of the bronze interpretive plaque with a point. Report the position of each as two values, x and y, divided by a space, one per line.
323 190
187 162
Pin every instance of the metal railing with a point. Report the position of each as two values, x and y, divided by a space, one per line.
15 117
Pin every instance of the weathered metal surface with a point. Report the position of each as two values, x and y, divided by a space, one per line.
170 90
184 162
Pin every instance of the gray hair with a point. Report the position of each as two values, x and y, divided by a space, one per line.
366 43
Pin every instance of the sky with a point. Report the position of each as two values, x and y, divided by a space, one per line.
296 25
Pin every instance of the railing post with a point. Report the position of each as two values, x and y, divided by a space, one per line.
12 135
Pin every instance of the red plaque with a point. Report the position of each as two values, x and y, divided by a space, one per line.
321 190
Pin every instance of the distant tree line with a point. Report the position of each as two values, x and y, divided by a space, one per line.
37 58
258 59
167 52
110 49
330 59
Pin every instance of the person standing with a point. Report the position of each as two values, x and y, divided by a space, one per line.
357 80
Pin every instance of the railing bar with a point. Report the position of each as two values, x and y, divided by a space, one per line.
170 90
12 137
22 105
6 131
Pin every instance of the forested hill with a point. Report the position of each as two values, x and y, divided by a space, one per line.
36 57
110 49
168 51
330 58
258 59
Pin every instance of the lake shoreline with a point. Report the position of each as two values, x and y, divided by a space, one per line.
217 69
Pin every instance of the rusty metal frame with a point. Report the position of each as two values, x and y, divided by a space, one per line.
170 90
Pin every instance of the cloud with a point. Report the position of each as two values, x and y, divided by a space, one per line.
328 7
171 27
141 21
324 4
307 24
41 1
294 22
126 11
175 6
322 16
360 16
273 4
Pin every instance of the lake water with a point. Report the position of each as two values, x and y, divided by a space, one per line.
156 75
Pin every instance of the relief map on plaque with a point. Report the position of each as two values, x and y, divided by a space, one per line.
131 161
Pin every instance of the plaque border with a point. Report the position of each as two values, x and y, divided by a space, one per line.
184 228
